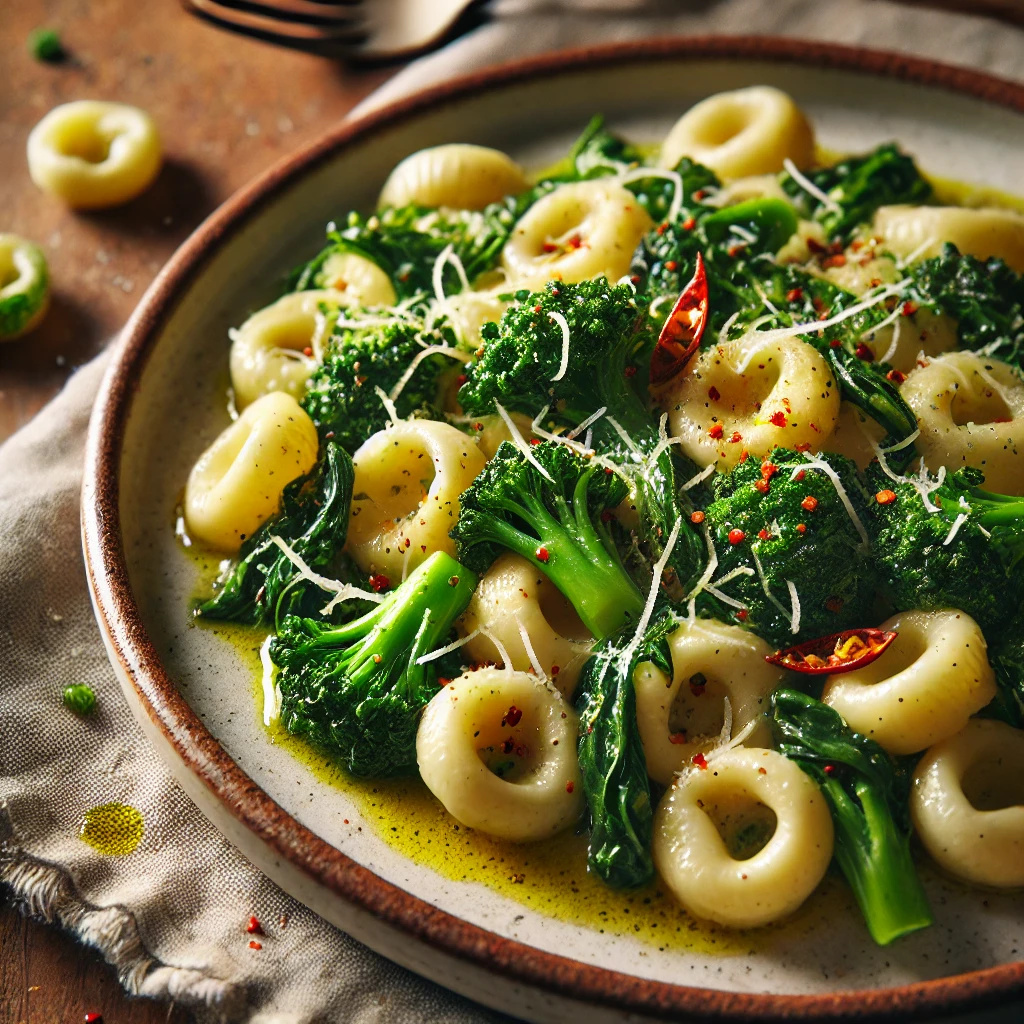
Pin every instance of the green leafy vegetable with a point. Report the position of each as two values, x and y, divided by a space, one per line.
80 698
867 795
44 44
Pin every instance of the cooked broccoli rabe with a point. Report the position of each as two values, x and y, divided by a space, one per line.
356 690
607 329
967 553
867 795
857 187
262 584
612 762
782 525
341 396
1006 655
598 152
556 520
985 297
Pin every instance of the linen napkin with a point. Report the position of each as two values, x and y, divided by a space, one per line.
171 916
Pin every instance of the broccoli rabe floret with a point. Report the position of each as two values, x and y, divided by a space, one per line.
857 187
554 517
783 525
341 397
964 551
612 762
985 297
516 367
262 584
1006 655
598 152
356 690
867 795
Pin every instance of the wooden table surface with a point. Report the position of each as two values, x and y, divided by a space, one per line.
227 108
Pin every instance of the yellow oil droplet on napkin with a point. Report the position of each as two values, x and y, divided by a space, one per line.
112 829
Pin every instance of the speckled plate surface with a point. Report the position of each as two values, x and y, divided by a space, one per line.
491 936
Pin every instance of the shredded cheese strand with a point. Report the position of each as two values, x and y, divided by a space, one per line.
652 596
794 600
724 598
813 463
430 350
809 187
520 442
530 652
699 477
447 649
588 422
740 570
564 325
388 404
709 569
905 443
768 590
957 523
271 691
341 591
506 661
651 172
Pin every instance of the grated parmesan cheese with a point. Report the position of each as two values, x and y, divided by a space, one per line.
809 187
388 404
564 325
341 591
530 652
447 649
651 172
520 443
430 350
813 463
271 690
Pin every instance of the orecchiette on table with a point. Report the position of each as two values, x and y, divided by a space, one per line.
276 348
923 688
921 231
24 286
705 824
683 715
967 803
238 480
745 132
971 413
498 749
456 175
752 395
361 280
94 154
405 498
513 597
581 230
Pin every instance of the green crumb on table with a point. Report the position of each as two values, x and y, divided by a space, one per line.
44 44
79 698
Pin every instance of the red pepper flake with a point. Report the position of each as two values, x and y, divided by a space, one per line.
697 517
677 738
538 308
93 1017
716 430
837 653
801 527
630 371
829 769
255 945
683 328
663 227
570 786
864 353
768 470
689 224
307 351
885 496
896 376
762 485
700 761
839 260
736 437
542 554
478 426
461 379
795 295
555 669
816 247
379 583
512 717
800 476
762 771
607 516
714 394
777 419
834 605
453 581
549 247
763 534
671 265
635 278
574 242
909 308
534 441
254 927
802 446
742 615
810 503
735 250
698 684
736 536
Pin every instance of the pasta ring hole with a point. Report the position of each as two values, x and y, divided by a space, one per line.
510 751
561 616
86 143
968 406
413 473
992 785
722 123
745 393
746 825
9 272
698 708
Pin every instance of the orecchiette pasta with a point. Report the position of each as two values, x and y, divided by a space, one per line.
460 176
513 596
579 231
94 154
361 280
682 716
24 286
921 231
923 688
274 349
854 432
967 803
469 311
490 430
238 480
971 413
405 499
901 343
752 395
708 811
498 749
746 132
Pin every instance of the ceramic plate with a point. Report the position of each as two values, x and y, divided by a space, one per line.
521 930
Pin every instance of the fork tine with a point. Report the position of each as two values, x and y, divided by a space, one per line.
330 39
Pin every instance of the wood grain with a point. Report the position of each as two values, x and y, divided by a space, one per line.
227 108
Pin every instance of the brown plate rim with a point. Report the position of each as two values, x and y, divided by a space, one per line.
122 622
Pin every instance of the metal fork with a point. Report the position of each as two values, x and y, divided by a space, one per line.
360 29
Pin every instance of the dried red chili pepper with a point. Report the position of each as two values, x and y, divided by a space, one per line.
834 654
680 336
